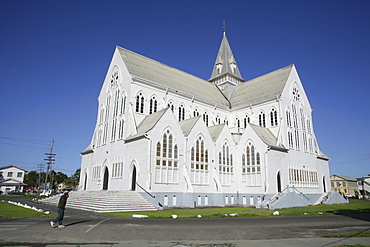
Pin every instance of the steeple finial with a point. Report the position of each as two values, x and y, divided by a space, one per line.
224 26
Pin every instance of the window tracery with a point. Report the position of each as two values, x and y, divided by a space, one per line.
167 160
199 167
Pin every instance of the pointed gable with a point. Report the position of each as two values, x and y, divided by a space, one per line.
261 89
215 131
147 124
188 124
267 137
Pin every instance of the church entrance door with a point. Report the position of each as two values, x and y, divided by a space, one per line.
133 179
106 179
85 183
278 182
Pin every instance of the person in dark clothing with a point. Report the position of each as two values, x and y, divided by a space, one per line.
61 207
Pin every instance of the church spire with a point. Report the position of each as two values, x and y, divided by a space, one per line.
225 70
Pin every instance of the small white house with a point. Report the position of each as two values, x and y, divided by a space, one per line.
11 178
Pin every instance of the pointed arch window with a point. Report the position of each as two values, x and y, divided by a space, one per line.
181 113
106 117
199 167
139 103
273 117
167 160
218 119
153 104
237 122
205 118
123 104
262 119
251 166
170 105
196 112
225 165
246 121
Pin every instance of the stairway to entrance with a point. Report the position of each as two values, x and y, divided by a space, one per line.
104 201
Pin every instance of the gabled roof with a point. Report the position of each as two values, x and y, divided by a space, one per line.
261 89
225 58
11 166
159 74
188 124
215 131
11 181
267 137
346 178
147 124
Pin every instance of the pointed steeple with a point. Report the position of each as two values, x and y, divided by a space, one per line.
225 72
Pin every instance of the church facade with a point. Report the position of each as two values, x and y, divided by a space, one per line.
182 141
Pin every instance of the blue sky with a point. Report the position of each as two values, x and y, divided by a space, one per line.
54 56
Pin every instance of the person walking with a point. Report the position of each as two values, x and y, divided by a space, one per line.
61 207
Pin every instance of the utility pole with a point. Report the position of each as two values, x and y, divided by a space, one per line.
50 159
40 169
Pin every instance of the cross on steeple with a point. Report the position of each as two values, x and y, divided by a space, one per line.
224 26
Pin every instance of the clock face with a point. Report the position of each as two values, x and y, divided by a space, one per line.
115 76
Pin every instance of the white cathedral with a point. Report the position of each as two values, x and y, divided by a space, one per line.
181 141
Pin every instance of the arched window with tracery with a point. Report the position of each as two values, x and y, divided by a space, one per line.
251 166
153 104
262 119
205 118
199 167
218 119
139 103
273 117
170 105
237 122
181 112
246 121
106 117
167 160
196 112
225 165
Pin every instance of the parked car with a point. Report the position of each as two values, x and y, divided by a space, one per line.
14 192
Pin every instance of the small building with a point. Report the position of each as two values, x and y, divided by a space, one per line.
363 184
344 185
11 178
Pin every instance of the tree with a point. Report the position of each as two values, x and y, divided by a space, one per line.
31 179
59 178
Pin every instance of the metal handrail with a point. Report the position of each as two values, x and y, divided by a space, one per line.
301 193
144 190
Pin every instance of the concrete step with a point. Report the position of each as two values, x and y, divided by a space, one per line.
104 201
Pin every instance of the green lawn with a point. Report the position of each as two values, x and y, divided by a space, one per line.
8 210
364 234
354 207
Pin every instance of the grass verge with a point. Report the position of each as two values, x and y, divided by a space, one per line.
362 234
354 207
8 210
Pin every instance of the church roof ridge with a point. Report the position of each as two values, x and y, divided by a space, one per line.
261 89
170 77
